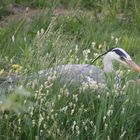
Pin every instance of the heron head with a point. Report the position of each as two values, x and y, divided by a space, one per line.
118 54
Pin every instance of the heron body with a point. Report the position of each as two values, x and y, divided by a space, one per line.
76 73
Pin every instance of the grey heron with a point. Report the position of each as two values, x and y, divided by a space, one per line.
85 73
79 73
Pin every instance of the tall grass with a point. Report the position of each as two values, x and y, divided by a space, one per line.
5 8
44 108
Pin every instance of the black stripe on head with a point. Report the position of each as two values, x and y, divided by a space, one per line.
120 53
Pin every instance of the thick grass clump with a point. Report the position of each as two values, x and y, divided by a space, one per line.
44 108
5 8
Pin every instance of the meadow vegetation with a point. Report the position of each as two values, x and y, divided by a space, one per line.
44 109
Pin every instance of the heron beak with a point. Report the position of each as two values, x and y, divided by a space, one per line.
131 64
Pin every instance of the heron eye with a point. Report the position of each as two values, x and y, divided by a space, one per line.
122 58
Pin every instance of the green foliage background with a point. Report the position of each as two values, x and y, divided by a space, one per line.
48 110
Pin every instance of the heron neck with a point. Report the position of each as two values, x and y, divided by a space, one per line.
108 66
